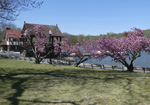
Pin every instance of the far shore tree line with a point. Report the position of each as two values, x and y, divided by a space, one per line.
81 37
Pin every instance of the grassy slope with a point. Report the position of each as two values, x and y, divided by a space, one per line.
26 83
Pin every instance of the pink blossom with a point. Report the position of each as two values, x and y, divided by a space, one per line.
124 48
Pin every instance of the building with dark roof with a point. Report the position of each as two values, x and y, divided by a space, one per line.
12 40
15 41
55 31
51 30
54 28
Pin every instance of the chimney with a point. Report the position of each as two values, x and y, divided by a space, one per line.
8 28
57 25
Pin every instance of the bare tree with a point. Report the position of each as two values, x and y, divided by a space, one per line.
10 9
3 27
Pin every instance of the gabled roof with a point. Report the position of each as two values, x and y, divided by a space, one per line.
13 33
54 28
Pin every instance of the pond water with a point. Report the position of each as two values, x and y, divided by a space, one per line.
143 61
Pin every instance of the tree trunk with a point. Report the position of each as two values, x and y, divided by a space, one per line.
130 68
37 58
82 60
77 64
37 61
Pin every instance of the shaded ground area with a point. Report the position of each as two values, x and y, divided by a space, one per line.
26 83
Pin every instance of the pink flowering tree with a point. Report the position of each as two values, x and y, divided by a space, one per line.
37 43
124 50
76 50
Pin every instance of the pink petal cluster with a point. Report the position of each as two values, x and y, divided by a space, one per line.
122 48
67 46
57 47
40 37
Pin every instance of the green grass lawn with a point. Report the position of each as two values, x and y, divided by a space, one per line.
26 83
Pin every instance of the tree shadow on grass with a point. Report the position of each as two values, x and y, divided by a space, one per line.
19 91
81 75
17 86
130 92
50 102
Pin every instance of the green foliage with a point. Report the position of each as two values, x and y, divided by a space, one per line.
147 33
74 40
81 38
26 83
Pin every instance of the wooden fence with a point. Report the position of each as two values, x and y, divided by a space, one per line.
114 67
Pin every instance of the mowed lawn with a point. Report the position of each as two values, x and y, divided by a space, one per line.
26 83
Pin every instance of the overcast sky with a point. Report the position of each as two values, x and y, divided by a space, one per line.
92 17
